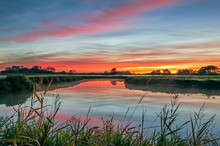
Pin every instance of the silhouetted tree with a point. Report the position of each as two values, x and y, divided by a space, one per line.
36 67
50 69
166 72
24 70
15 68
185 72
12 69
113 71
106 72
156 72
208 70
72 71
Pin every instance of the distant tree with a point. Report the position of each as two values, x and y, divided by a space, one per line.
7 68
36 67
208 70
12 69
166 72
127 73
63 72
15 68
50 69
106 72
156 72
24 70
72 71
185 72
113 71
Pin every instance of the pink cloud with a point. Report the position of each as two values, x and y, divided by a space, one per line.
108 20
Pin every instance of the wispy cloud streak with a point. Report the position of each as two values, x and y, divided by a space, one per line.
106 20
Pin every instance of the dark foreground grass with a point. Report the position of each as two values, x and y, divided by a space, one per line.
36 125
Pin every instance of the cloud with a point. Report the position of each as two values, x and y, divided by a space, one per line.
106 20
135 59
132 62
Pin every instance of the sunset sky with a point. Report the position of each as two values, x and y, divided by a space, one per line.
97 35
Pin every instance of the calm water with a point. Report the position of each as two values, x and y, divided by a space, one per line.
112 97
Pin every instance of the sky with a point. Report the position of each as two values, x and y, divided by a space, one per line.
97 35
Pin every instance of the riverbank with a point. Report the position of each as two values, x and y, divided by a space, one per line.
204 82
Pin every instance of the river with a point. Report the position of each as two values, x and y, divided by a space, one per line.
109 98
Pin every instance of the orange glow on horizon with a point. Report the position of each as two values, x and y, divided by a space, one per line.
136 67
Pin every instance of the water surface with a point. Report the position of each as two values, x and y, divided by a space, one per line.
112 97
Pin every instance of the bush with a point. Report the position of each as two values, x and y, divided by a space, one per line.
16 83
4 86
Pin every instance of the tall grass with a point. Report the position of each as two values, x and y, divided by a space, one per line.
35 125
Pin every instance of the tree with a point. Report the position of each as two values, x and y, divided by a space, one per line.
36 67
185 72
166 72
50 69
15 68
12 69
24 70
72 71
211 69
106 72
113 71
156 72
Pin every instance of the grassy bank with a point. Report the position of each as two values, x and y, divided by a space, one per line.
205 82
36 125
15 83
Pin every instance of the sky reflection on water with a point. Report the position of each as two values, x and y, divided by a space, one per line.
110 97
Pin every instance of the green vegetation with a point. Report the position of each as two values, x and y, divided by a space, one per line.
206 82
209 93
18 83
36 125
15 83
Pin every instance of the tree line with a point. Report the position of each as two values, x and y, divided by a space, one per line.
24 70
206 70
36 69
